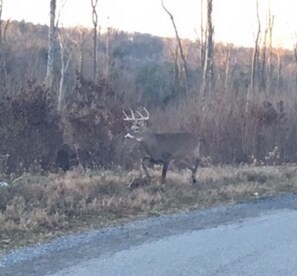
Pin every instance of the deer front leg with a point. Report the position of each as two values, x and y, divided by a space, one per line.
194 171
164 170
146 160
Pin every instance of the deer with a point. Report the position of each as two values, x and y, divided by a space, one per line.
163 148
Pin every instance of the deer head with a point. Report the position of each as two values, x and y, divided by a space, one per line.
139 128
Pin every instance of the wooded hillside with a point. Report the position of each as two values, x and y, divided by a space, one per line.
248 115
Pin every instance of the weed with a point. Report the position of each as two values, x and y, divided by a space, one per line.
36 207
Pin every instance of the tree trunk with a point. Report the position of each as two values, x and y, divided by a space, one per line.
262 73
51 46
64 66
270 65
202 39
61 85
95 25
1 9
255 59
2 54
295 54
227 69
107 54
208 64
81 54
279 72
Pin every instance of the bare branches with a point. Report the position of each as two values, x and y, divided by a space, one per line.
95 26
185 67
61 6
94 12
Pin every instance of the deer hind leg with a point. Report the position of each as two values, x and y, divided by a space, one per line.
189 164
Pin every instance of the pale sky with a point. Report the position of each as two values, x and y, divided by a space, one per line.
235 20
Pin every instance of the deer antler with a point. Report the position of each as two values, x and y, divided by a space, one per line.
133 118
127 118
142 117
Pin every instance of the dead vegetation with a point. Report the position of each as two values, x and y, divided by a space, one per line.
35 208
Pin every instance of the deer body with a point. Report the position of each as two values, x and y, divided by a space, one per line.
161 148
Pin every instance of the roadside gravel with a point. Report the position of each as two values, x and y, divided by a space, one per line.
65 251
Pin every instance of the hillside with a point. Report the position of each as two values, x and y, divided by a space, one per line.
234 122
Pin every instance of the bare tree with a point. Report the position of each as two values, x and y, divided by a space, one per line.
185 67
270 54
61 6
67 47
3 48
4 31
95 30
1 9
51 45
107 52
202 35
82 42
295 54
255 59
265 70
2 62
177 75
262 66
209 52
279 71
229 62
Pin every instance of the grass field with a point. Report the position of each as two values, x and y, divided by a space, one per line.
35 208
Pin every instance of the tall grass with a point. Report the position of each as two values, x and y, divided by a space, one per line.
38 207
233 129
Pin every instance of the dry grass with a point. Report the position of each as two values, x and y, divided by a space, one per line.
36 208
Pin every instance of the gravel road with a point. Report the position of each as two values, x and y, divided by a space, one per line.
255 238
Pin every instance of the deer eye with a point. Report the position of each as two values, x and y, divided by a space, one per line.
135 128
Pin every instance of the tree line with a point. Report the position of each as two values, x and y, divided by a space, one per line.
240 101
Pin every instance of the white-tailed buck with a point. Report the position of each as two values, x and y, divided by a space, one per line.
162 148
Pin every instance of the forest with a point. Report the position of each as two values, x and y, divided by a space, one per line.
65 164
245 114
